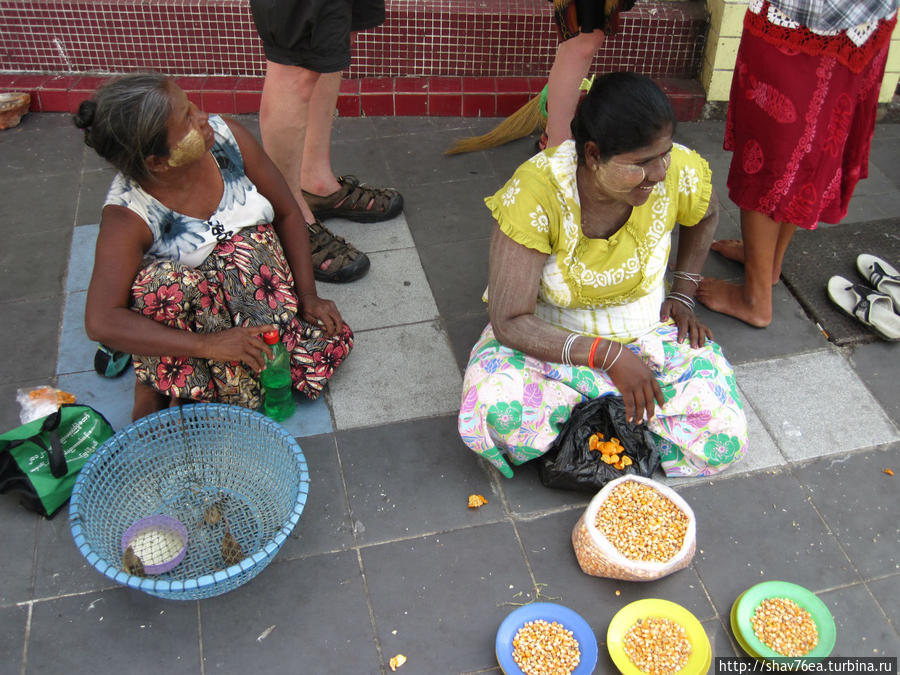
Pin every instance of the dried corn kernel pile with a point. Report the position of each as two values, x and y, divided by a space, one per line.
642 523
784 626
657 646
611 451
543 648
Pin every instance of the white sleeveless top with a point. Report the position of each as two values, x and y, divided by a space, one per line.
189 240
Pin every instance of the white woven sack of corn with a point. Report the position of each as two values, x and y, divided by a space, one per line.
598 557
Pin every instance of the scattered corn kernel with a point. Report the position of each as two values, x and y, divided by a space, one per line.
477 500
542 648
889 472
657 646
397 661
785 627
642 523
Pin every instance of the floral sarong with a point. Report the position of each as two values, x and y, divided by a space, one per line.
245 281
515 405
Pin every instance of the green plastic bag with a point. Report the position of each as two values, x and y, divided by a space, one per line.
40 460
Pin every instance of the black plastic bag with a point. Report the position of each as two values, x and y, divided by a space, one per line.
569 464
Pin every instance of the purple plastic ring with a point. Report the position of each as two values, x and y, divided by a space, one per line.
163 525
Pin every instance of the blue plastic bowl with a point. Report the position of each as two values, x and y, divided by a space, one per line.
217 469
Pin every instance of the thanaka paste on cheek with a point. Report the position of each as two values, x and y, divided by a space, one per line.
615 177
189 149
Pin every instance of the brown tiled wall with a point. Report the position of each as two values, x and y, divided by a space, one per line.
430 57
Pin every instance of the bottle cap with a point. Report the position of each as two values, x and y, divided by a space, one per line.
270 337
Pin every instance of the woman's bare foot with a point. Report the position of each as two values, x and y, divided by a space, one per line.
727 298
733 249
147 400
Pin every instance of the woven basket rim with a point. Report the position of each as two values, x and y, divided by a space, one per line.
268 548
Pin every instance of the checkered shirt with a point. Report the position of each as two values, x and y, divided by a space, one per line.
835 15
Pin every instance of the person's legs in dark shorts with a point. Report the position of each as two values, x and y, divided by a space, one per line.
307 45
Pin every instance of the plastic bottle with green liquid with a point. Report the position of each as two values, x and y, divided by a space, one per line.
277 390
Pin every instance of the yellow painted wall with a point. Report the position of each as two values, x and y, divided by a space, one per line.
726 22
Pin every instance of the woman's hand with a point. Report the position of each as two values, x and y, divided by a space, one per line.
639 388
322 312
243 343
686 321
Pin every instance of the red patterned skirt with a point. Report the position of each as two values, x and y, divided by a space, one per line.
800 124
245 281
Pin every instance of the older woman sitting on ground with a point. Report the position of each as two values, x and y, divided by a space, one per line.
577 293
201 249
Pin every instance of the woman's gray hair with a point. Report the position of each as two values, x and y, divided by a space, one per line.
126 121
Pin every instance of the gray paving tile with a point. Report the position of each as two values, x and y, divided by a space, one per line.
387 468
325 523
507 158
464 332
444 596
761 527
353 129
17 552
116 631
59 567
526 495
548 544
114 398
91 195
790 332
394 374
453 211
418 159
22 255
41 148
368 237
883 154
13 623
877 183
318 608
28 333
458 274
720 639
365 160
394 292
862 629
887 594
76 350
814 404
878 366
859 503
81 258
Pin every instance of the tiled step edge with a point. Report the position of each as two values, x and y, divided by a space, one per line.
398 96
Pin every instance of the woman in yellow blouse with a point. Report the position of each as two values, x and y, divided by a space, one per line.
578 301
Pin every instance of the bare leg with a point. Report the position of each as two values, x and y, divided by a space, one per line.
317 176
147 400
571 65
283 117
764 245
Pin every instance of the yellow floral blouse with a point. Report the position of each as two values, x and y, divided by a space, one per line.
539 208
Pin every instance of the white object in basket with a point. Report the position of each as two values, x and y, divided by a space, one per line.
599 558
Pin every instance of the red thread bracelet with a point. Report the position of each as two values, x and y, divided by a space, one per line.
593 351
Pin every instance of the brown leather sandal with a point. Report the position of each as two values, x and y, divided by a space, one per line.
356 201
347 263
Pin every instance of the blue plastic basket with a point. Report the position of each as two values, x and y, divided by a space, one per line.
178 463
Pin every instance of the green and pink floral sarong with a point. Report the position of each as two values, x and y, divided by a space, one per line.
513 405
